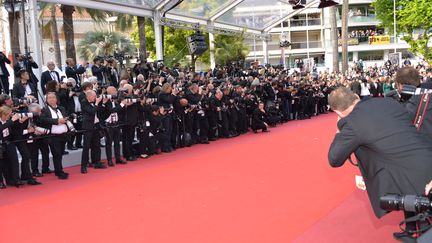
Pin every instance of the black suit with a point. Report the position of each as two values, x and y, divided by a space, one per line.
375 89
74 72
113 135
48 76
19 90
98 72
27 65
5 74
91 136
57 142
9 166
393 157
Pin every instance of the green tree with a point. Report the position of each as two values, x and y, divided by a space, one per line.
127 22
101 43
413 22
230 48
68 27
176 49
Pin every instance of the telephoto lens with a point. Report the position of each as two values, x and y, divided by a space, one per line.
407 203
70 126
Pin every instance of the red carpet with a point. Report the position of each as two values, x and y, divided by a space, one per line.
273 187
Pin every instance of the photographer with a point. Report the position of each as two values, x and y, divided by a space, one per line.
410 76
91 106
98 70
4 73
112 121
23 88
53 118
38 144
392 156
27 63
72 71
168 99
48 75
21 133
130 120
71 101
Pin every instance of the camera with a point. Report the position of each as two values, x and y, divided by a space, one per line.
70 126
407 203
23 101
26 114
107 96
131 100
41 131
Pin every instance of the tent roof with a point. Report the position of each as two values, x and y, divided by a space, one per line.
254 17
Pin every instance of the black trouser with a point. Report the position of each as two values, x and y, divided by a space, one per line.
213 125
25 160
113 136
259 126
223 124
39 144
57 146
11 170
167 134
143 137
91 142
203 127
76 137
4 84
233 120
128 137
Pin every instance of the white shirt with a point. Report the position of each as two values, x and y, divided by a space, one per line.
28 90
77 104
57 129
364 89
53 75
113 118
96 120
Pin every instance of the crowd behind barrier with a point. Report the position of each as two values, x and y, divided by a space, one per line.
150 109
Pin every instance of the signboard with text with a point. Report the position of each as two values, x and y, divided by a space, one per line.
377 40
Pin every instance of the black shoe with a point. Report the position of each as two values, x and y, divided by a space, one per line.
265 131
110 163
2 185
65 152
83 170
72 148
120 161
131 158
62 175
404 237
99 165
33 182
37 174
47 171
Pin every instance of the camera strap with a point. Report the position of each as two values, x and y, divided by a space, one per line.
419 218
421 110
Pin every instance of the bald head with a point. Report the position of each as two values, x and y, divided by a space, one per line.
129 88
111 90
90 95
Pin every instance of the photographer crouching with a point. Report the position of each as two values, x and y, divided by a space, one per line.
392 156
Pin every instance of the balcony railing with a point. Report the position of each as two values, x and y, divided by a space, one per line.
303 22
303 45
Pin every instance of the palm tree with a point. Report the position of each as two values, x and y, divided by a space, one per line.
230 48
51 29
344 34
126 21
102 43
13 19
68 27
334 39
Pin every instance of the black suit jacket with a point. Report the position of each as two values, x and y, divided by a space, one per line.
73 72
89 112
3 65
29 67
46 120
393 157
375 91
18 90
45 77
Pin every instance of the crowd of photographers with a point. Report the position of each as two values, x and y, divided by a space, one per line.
150 109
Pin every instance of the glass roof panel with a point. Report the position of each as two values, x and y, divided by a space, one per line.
200 8
138 3
255 14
